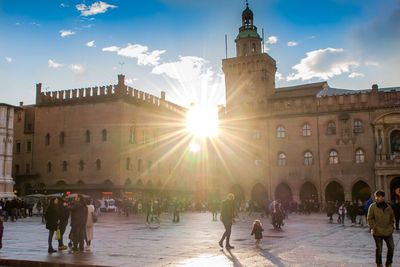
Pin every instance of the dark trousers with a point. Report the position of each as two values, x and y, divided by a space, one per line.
62 231
397 221
78 237
50 240
390 248
1 234
227 233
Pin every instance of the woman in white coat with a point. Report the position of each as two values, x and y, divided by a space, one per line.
89 224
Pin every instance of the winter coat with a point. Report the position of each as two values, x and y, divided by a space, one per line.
78 215
90 212
64 215
381 221
52 218
227 211
257 231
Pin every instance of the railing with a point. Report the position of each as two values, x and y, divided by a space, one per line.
388 159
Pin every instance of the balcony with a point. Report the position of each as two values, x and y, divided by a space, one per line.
388 161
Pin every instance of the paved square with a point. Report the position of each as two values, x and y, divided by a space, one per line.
121 241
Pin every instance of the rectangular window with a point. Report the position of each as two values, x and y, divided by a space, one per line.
139 165
18 147
128 163
28 169
16 169
132 137
29 146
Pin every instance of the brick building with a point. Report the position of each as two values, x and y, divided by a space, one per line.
309 141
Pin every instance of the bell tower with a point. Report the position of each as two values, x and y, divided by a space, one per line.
250 76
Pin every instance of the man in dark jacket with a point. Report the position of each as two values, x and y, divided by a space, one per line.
78 223
381 221
227 215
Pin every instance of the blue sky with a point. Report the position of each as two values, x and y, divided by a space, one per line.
177 45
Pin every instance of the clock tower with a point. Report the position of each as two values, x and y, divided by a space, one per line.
250 76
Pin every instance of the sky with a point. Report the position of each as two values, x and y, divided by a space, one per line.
177 46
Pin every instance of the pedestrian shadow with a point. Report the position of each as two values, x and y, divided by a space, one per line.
271 257
232 258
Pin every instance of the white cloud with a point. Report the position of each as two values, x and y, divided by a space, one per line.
17 23
90 44
95 8
272 40
371 63
110 49
64 5
323 64
54 65
356 75
9 59
88 26
279 76
35 24
140 52
292 43
130 81
65 33
77 69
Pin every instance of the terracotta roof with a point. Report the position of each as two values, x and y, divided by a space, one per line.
302 90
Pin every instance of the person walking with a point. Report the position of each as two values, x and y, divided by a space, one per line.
227 215
52 222
257 231
90 223
381 224
396 210
342 211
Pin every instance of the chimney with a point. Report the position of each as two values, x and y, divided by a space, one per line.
21 104
374 87
163 95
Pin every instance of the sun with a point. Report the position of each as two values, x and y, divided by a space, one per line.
202 121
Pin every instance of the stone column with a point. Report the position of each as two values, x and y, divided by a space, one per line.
6 150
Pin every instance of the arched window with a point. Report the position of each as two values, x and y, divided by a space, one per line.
360 156
281 159
81 165
308 158
64 166
98 164
104 135
128 163
47 139
253 47
49 167
333 157
62 138
306 130
280 132
87 136
358 126
331 129
132 135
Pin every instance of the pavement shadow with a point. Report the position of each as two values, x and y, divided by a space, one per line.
232 258
275 260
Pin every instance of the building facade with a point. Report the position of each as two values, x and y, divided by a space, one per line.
6 150
304 142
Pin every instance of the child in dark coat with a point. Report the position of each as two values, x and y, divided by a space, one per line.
257 231
1 231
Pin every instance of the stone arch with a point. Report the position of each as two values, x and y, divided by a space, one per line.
394 184
61 182
128 181
360 191
308 191
259 194
238 191
139 182
334 191
108 182
283 192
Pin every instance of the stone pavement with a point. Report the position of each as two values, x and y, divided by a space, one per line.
306 240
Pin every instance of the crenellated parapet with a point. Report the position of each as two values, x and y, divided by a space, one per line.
355 100
102 93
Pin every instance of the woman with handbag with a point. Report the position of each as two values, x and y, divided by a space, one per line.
91 219
52 221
